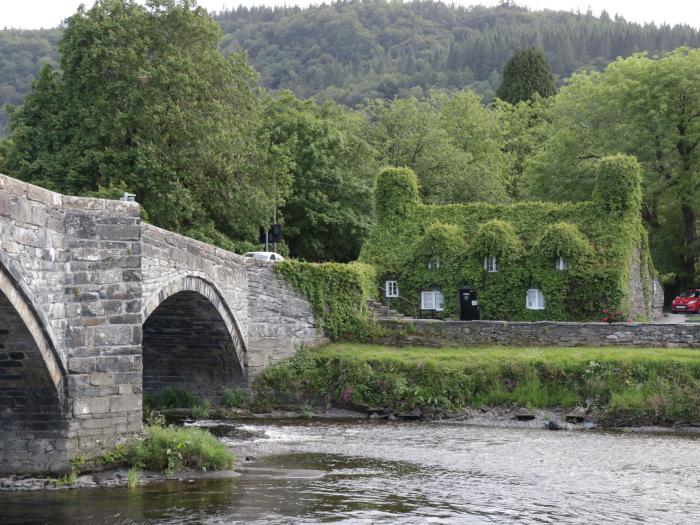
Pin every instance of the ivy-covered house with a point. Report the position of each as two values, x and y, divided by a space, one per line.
524 261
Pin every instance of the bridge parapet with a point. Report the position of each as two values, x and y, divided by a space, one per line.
88 294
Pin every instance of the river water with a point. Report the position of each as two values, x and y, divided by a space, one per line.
374 472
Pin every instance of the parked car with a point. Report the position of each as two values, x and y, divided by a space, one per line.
264 256
687 302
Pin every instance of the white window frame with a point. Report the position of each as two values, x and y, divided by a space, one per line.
534 299
432 300
561 264
391 289
491 263
434 263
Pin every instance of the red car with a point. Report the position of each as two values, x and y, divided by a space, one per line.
687 302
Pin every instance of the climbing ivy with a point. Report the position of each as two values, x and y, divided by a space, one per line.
338 294
599 240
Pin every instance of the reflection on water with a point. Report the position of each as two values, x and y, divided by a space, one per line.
314 472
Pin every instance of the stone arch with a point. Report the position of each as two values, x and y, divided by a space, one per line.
32 411
191 340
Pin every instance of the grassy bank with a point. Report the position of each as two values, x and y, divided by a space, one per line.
617 385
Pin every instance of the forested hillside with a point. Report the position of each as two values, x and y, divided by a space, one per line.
349 51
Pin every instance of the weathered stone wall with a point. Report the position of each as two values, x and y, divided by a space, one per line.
280 319
79 277
435 333
72 271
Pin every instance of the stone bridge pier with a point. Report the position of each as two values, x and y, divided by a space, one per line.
98 309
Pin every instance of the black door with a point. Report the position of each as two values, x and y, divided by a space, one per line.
468 305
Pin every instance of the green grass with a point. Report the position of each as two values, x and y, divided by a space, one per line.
234 398
620 384
172 449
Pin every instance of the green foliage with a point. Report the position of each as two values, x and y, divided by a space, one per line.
338 294
329 169
396 193
132 478
526 73
623 385
201 410
452 143
171 397
350 51
564 240
235 398
619 184
172 449
645 106
526 238
133 107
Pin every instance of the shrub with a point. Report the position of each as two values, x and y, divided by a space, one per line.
171 449
235 398
172 397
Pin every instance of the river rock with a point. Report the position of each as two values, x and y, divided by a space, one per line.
414 413
554 425
524 415
576 416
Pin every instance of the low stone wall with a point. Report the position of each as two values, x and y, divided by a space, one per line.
424 332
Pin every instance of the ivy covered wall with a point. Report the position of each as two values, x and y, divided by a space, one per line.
603 243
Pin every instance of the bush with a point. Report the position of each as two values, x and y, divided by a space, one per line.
171 397
171 449
235 398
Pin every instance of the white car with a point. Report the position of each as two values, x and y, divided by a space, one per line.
264 256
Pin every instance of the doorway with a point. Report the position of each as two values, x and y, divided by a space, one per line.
468 304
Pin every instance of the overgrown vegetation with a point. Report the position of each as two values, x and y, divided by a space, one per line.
427 247
171 449
619 385
338 294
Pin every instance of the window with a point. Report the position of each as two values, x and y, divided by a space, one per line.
534 299
391 288
432 300
434 263
491 263
561 264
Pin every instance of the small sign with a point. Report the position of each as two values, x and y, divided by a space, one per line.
391 289
475 303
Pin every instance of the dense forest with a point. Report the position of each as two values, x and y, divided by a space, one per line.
350 51
160 101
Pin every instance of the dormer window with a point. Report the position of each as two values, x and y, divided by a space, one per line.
434 263
491 263
534 299
561 264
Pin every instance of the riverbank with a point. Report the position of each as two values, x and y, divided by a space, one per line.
611 387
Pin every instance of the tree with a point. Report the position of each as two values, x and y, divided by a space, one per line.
328 211
145 101
644 106
526 73
447 142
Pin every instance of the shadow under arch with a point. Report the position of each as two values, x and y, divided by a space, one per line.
32 386
191 340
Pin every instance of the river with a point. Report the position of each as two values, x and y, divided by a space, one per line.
422 472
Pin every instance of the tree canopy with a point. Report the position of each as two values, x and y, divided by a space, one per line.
145 102
526 74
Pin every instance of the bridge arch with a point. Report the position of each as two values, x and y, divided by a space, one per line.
31 383
191 340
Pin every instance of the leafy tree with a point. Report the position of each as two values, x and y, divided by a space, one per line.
145 101
644 106
527 73
451 144
328 212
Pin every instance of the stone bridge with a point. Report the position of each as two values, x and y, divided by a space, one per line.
97 308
